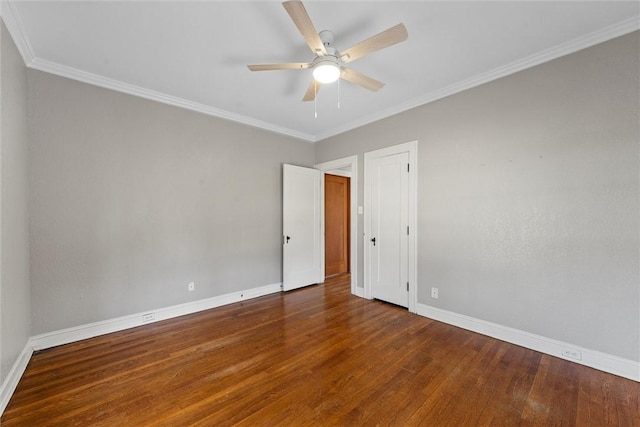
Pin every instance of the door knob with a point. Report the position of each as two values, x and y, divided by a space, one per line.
288 239
374 241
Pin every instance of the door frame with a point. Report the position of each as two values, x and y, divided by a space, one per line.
411 148
334 165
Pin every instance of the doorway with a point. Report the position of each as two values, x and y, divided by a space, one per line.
336 224
347 166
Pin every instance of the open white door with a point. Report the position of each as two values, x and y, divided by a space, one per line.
301 225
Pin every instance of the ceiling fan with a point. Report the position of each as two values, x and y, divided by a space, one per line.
329 64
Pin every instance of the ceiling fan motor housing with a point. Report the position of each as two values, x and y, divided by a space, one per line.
327 68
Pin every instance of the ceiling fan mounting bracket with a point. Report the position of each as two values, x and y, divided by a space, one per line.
327 37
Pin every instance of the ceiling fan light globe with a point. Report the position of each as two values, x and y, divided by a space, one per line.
326 72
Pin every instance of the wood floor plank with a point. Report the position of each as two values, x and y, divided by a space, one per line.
314 356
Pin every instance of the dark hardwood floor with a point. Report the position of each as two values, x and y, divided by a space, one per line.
315 356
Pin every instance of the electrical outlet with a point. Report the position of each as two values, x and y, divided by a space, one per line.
571 354
192 286
149 317
434 293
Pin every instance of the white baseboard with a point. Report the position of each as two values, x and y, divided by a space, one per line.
602 361
605 362
90 330
11 382
359 292
65 336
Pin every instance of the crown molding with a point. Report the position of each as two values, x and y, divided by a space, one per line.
97 80
14 24
16 29
572 46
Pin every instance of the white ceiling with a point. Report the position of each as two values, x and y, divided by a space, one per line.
194 54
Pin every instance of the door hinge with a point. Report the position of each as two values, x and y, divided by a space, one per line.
407 167
407 286
407 230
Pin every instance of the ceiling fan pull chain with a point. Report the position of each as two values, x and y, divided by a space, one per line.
315 98
338 94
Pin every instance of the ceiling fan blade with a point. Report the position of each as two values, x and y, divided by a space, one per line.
381 40
312 90
300 17
361 80
283 66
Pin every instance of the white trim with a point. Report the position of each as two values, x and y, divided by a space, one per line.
90 330
605 362
97 80
333 165
11 381
413 224
595 359
338 173
16 29
411 148
563 49
367 229
15 26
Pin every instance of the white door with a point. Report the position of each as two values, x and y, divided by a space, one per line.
301 254
388 236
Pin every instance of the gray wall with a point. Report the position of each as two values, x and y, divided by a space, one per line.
528 200
15 312
528 208
132 199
